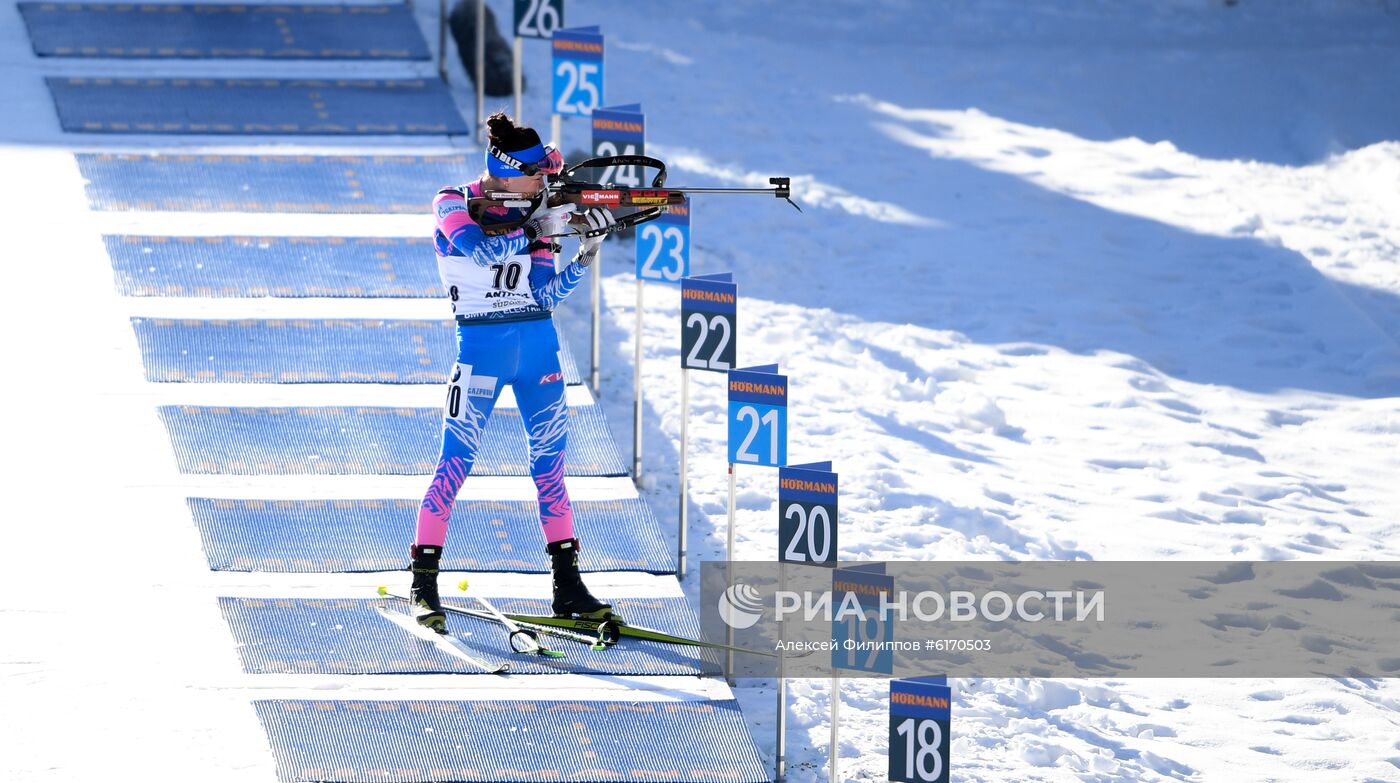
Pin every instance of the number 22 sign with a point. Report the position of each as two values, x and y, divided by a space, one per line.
709 329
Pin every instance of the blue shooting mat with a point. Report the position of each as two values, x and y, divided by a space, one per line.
357 535
398 184
320 350
256 106
360 267
367 440
350 32
527 739
347 636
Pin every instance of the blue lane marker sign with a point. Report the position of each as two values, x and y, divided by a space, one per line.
807 514
538 18
709 322
578 71
620 130
663 246
758 416
920 718
863 638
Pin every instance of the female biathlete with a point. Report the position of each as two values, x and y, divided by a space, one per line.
503 289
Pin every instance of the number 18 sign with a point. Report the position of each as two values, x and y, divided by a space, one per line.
920 718
758 416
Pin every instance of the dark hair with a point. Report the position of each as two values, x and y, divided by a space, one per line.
509 137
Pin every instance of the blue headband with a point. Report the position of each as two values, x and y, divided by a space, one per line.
507 164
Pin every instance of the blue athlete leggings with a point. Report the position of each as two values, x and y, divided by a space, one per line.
524 354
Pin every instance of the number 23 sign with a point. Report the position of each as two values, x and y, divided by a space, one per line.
663 246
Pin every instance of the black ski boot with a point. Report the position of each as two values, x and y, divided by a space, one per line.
427 608
571 597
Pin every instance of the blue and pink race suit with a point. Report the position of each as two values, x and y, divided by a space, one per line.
503 293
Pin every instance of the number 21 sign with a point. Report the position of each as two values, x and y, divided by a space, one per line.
758 416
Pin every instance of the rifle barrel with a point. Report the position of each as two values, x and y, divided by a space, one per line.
767 191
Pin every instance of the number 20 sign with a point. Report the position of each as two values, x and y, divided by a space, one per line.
807 514
758 416
578 70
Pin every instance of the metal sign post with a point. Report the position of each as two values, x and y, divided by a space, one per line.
685 474
442 42
757 436
709 327
595 338
807 502
834 750
517 78
578 91
668 239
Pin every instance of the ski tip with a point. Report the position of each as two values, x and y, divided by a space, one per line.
462 585
383 591
552 653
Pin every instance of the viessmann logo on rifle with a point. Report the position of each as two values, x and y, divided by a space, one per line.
609 197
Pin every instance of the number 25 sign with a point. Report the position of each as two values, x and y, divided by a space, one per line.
578 71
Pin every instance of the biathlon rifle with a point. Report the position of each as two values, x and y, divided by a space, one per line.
568 188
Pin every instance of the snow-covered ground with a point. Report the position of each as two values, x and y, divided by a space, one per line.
1096 280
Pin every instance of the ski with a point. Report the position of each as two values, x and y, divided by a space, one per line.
620 628
608 631
533 629
444 642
